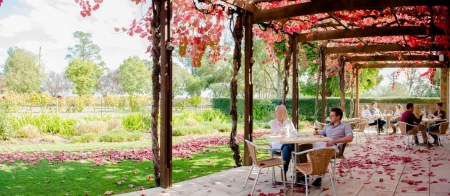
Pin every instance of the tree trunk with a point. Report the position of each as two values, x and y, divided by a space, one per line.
287 68
237 36
156 86
279 79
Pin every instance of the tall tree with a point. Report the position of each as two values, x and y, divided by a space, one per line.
180 76
84 75
2 83
134 77
56 84
109 83
85 49
22 72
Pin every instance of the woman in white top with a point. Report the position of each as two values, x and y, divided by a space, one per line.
366 114
278 126
396 117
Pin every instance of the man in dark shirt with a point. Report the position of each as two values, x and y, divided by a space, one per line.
440 115
409 117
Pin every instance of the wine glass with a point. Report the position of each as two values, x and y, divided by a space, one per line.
316 126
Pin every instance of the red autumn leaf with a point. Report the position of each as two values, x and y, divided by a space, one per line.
131 185
118 182
250 178
141 188
108 192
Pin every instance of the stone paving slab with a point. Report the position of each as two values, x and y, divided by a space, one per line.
380 167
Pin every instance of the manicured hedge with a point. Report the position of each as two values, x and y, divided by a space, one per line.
307 104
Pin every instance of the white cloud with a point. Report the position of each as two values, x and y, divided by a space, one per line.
51 24
14 24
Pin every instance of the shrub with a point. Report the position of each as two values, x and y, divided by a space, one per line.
190 122
210 115
184 130
28 131
135 136
136 121
6 128
114 124
50 139
84 127
222 127
194 101
121 135
85 138
302 125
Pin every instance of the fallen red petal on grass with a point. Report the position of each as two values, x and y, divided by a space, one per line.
108 192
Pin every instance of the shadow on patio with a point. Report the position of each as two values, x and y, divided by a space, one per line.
378 165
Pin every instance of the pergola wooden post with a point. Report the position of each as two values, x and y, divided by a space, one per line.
342 81
357 93
165 165
248 115
444 88
323 57
295 82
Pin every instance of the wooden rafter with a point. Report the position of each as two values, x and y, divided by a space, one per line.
369 32
401 65
394 58
323 6
381 48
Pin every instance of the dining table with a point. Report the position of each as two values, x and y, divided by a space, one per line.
298 138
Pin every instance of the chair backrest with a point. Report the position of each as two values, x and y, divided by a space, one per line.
341 148
321 126
252 150
320 159
402 127
362 125
443 128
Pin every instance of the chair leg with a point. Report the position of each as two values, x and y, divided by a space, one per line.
348 167
248 176
256 181
306 185
332 184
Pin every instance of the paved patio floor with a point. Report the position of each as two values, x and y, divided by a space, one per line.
379 167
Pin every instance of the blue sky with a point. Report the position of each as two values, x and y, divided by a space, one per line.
50 24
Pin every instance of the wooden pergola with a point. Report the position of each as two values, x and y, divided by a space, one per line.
361 52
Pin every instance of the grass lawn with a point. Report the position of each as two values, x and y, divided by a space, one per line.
80 178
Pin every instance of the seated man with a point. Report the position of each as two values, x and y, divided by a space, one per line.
339 131
377 116
409 117
438 114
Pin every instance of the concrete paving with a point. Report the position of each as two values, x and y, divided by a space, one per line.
379 167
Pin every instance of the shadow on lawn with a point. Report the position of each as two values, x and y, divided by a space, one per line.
81 178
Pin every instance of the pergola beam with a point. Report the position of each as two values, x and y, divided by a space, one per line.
394 58
381 48
324 6
401 65
369 32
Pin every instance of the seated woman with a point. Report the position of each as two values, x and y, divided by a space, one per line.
277 126
366 114
438 114
396 117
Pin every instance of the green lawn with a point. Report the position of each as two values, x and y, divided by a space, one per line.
80 178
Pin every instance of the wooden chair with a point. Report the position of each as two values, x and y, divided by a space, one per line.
442 131
361 126
318 161
402 127
261 164
321 126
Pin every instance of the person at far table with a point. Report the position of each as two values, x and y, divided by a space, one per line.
409 117
366 114
277 126
339 132
377 116
440 115
396 117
